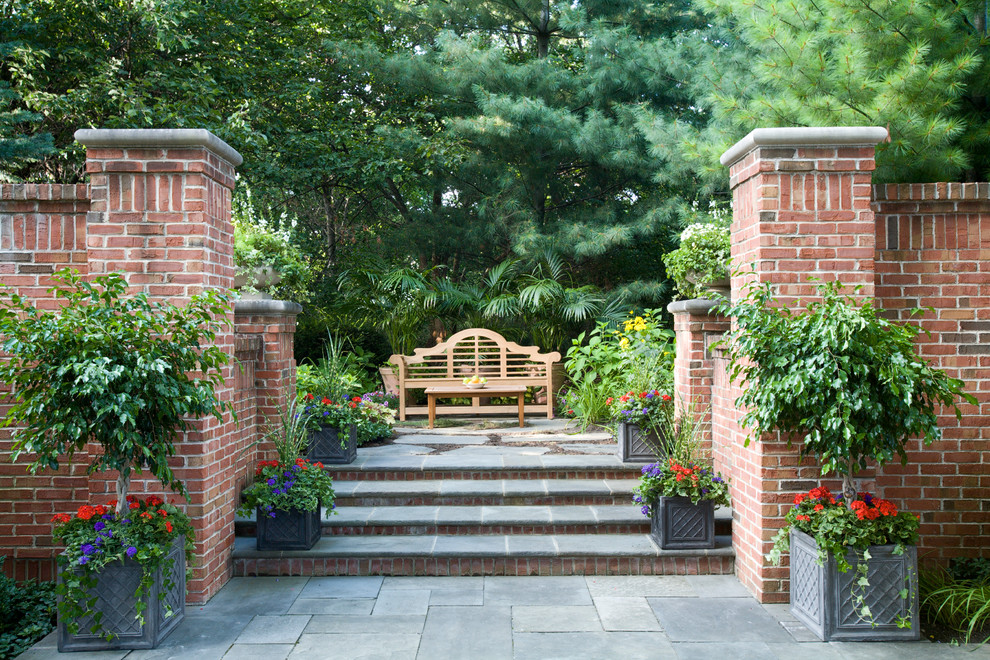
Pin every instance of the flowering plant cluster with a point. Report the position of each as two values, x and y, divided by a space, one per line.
647 409
97 536
836 527
370 413
702 258
302 486
672 479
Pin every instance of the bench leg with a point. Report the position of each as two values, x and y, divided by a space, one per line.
431 402
522 400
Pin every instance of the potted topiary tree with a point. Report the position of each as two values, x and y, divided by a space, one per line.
115 371
850 385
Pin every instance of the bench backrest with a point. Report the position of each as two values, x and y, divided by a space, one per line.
475 351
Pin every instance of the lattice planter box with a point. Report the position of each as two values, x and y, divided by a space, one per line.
288 530
165 606
821 596
676 523
326 446
637 445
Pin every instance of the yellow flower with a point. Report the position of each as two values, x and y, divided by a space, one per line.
623 343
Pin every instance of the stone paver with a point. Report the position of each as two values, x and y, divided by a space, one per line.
440 439
592 646
478 633
639 585
402 602
265 629
725 620
556 618
626 614
356 646
259 652
517 590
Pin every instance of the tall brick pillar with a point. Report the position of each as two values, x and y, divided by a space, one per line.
801 207
160 212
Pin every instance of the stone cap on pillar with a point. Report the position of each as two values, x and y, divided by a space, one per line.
814 136
693 306
158 138
267 307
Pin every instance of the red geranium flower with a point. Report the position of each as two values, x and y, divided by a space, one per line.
325 401
61 518
168 527
665 397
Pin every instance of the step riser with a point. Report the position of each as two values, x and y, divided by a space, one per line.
472 530
419 566
490 500
634 472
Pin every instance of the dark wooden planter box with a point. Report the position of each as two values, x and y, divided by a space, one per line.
114 591
326 446
288 530
676 523
821 596
637 445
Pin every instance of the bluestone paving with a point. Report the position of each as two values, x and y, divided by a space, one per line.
265 629
671 586
518 590
457 597
339 606
259 652
478 633
626 614
392 623
402 602
592 646
531 546
356 646
726 620
717 586
498 618
342 587
440 439
555 618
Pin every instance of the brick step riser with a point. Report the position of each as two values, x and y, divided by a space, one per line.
488 500
421 566
472 530
480 475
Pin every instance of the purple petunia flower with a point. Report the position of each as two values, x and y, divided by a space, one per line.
83 560
131 551
296 468
99 526
287 474
649 395
271 482
87 549
276 491
126 521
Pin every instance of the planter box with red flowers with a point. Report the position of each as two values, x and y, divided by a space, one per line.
287 499
854 569
642 418
130 567
680 500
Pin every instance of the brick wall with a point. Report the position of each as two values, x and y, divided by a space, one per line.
158 210
933 251
804 205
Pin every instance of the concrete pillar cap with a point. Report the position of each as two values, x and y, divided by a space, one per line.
158 138
815 136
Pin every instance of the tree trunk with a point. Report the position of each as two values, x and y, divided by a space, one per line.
123 482
848 487
543 33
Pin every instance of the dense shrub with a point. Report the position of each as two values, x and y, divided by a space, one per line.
27 613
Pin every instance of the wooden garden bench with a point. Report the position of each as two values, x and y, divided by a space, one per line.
482 352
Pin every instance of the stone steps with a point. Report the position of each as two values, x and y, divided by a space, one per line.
484 510
485 492
488 520
559 554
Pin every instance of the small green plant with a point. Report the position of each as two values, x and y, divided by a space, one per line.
704 253
27 613
959 598
289 432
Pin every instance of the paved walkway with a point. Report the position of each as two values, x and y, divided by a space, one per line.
498 618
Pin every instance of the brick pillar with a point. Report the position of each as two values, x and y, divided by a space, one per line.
697 327
160 212
801 207
271 325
